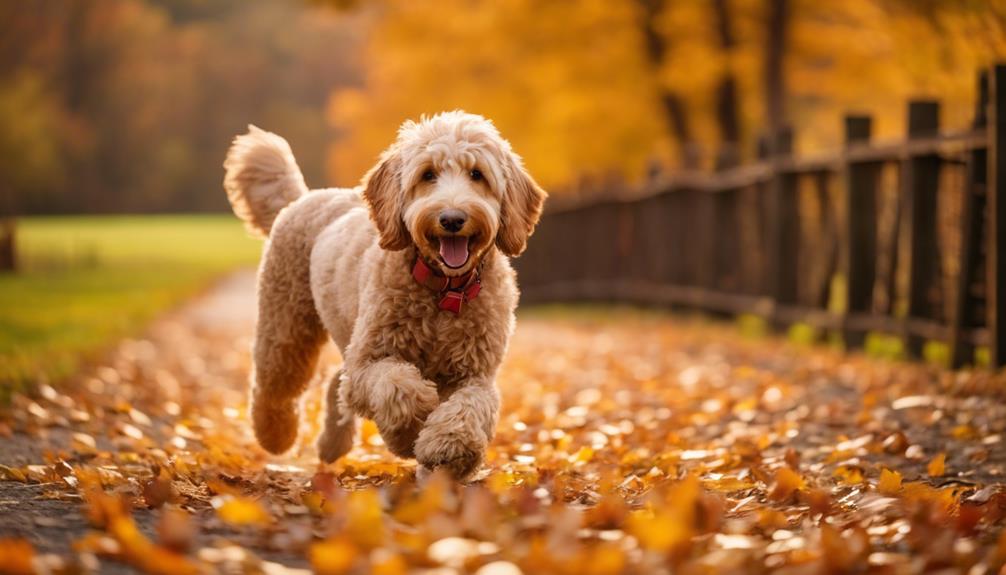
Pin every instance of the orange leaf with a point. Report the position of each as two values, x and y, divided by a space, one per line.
890 482
937 466
384 562
332 557
159 490
787 482
849 475
16 557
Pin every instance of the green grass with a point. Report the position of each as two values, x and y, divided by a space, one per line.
84 282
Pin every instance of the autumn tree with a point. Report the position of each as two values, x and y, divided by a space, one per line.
129 105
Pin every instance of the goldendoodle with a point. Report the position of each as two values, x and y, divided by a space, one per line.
409 275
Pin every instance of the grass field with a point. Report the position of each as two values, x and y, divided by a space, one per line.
84 282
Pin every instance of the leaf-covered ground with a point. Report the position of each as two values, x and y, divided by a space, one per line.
629 443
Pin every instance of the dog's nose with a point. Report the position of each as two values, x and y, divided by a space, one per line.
453 220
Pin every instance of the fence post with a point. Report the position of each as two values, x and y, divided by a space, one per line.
860 234
920 181
996 203
962 348
783 232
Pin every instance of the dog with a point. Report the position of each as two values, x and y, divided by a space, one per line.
408 273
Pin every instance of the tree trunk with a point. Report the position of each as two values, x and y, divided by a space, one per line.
674 108
8 229
775 50
727 116
8 247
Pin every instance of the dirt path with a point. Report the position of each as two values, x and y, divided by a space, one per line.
630 442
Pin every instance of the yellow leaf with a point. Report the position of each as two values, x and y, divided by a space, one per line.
364 521
584 455
657 532
727 483
937 466
12 474
664 528
240 510
964 432
427 502
603 559
890 482
849 475
332 557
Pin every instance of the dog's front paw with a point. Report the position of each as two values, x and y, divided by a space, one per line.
451 447
275 424
399 397
400 405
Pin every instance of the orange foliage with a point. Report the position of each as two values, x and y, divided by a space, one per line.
573 90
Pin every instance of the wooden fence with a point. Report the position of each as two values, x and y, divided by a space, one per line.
907 239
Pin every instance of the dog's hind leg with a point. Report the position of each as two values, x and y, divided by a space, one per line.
288 337
337 438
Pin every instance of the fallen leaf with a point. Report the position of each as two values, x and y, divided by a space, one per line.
787 482
16 557
937 466
332 557
238 510
889 483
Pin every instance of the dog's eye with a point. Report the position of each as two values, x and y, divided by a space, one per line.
476 175
429 176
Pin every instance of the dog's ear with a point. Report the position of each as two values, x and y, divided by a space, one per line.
382 189
522 203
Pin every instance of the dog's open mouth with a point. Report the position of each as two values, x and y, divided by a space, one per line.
454 251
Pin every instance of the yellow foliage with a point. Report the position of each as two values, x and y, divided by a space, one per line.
673 523
332 557
574 91
544 73
384 562
365 525
238 510
849 475
584 455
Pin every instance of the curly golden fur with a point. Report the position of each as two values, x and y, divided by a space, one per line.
338 263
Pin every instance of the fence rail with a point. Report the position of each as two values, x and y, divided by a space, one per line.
906 238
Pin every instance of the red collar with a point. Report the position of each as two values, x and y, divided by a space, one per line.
454 291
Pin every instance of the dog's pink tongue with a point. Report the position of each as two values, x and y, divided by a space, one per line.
454 250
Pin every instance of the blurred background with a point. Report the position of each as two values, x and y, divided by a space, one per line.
128 106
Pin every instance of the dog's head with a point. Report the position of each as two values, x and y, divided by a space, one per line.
451 186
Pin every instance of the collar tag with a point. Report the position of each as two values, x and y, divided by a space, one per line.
452 298
452 302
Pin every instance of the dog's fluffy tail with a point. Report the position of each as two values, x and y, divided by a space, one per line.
262 178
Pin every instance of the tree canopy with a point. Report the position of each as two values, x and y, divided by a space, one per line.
129 105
